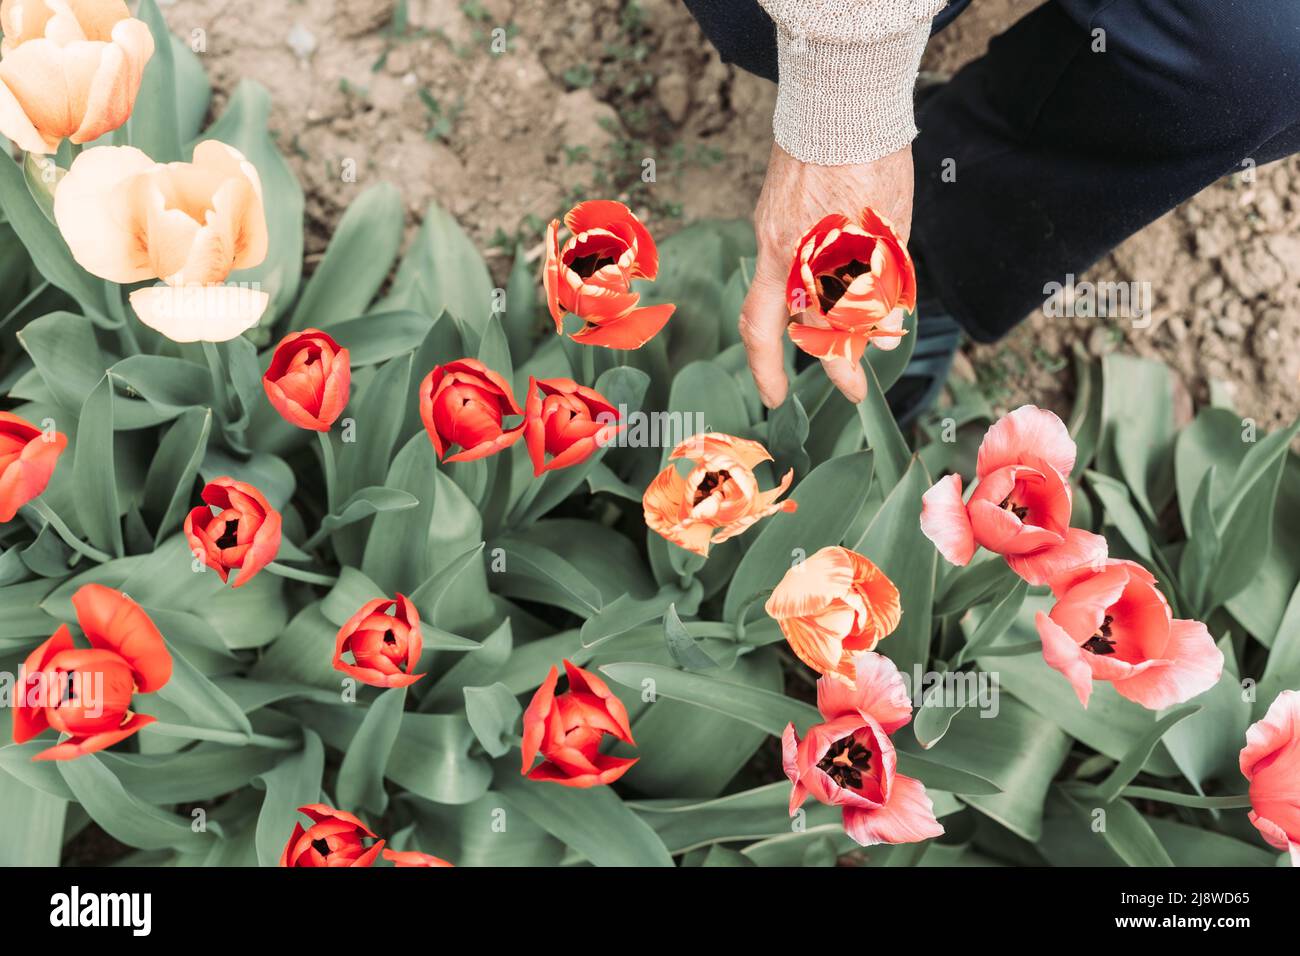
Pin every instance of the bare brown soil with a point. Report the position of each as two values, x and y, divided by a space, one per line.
585 91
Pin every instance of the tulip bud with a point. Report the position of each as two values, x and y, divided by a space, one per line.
26 462
335 839
567 421
385 645
464 403
243 535
567 730
308 379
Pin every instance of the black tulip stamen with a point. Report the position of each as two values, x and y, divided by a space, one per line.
1101 642
1020 511
230 537
588 266
709 483
846 762
321 846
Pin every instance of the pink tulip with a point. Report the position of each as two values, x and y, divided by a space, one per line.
1021 506
1113 624
850 762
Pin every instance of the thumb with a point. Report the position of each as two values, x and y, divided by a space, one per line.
763 319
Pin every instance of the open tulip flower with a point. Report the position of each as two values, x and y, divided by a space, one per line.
567 421
243 535
384 641
591 275
68 69
852 282
833 606
335 839
1271 762
27 458
86 693
128 219
413 858
1113 624
308 379
849 761
464 403
567 730
1021 506
718 499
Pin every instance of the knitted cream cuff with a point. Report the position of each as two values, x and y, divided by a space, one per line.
841 103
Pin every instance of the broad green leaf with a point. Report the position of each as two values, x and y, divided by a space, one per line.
31 828
124 816
492 713
1136 758
828 498
93 470
882 434
169 485
153 126
683 648
361 776
594 821
357 260
292 783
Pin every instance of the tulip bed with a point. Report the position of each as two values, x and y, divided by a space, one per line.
379 544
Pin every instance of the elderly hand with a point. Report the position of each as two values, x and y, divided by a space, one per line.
795 196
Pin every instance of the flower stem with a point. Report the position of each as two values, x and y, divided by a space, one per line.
220 395
63 531
589 366
327 464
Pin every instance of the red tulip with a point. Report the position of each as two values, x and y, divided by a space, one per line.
27 458
411 858
244 534
1113 624
335 838
567 730
384 645
852 282
463 403
308 379
86 693
850 762
567 421
591 275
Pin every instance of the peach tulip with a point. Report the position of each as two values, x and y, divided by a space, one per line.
718 499
1021 506
833 606
1113 624
850 762
68 69
852 282
1271 762
128 219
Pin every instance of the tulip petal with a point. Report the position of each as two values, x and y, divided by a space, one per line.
80 746
907 817
945 522
1028 430
113 621
1062 653
94 209
213 313
1079 549
1192 666
629 331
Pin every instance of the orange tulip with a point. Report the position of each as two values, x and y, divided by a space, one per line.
308 379
69 69
591 275
243 535
384 641
128 219
334 839
718 499
832 606
567 730
463 403
27 460
852 282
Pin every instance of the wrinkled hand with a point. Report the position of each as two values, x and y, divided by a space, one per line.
795 196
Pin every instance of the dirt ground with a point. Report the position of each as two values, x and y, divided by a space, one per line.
505 111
